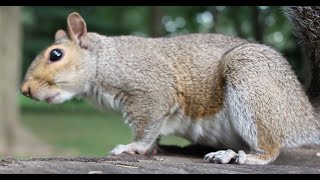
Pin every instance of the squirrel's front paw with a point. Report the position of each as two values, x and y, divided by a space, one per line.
132 148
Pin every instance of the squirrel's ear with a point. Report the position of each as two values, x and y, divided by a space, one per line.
77 29
60 34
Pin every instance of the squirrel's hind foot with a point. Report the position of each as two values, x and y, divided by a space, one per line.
229 156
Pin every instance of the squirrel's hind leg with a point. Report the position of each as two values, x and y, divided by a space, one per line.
257 100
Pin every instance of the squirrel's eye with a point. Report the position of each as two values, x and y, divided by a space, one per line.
55 55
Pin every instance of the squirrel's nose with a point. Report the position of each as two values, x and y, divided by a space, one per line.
25 89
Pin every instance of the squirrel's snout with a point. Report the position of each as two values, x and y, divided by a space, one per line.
25 89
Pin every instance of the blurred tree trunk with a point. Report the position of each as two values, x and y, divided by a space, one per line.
214 13
257 24
234 16
14 138
155 21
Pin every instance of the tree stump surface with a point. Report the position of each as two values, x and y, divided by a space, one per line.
171 160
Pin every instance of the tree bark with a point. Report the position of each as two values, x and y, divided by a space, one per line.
171 160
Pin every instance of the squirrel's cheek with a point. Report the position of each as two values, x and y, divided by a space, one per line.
60 97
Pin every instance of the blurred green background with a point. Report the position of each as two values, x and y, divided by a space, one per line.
78 126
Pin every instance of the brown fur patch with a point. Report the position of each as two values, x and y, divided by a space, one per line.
266 143
201 98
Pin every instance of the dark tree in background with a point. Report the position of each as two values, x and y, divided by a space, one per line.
257 24
156 25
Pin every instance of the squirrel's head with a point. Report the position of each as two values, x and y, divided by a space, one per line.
60 71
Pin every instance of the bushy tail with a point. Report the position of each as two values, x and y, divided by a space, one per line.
306 21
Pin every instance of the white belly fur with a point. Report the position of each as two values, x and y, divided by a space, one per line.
102 99
216 131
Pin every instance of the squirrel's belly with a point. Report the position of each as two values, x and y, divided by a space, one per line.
215 131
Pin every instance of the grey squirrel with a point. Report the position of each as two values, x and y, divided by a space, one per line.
210 89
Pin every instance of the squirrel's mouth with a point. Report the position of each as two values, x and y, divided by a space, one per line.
50 99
